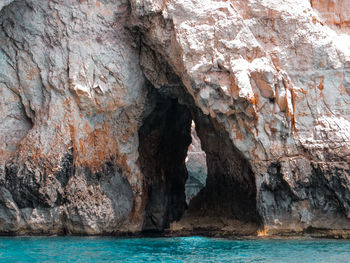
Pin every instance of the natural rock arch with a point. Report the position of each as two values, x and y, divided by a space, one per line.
229 197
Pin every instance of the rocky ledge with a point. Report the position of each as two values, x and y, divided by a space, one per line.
97 98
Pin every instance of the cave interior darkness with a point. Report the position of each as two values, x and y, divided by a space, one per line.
164 137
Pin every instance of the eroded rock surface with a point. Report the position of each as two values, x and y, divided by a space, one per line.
73 95
276 80
97 98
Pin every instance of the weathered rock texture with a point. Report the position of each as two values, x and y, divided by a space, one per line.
97 99
335 13
73 96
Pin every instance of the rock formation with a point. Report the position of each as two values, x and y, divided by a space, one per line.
196 165
97 100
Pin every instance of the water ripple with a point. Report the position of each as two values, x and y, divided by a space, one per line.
178 249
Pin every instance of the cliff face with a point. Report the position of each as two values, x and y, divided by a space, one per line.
73 97
97 100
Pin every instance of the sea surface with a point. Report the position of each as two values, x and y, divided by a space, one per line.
176 249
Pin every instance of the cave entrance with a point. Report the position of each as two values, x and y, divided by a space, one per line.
226 201
164 139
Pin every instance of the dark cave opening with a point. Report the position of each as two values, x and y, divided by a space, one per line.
164 139
230 189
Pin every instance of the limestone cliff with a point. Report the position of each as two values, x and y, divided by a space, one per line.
97 100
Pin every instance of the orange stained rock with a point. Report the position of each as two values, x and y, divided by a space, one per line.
282 103
249 128
255 99
239 135
31 72
335 12
321 86
291 114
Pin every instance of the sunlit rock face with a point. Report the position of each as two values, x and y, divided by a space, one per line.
97 99
196 165
4 3
276 79
335 13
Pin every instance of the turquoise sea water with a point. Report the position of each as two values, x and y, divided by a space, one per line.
178 249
